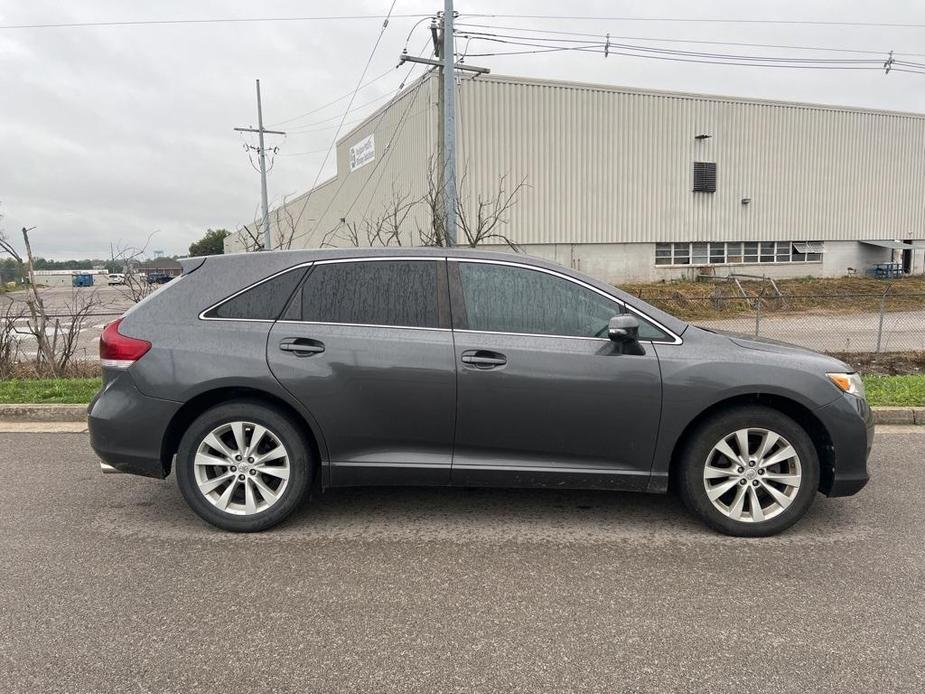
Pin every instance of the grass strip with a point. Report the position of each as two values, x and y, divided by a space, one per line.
35 391
895 391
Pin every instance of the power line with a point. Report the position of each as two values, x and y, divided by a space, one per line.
369 60
307 126
665 39
337 100
308 131
412 97
302 154
218 20
675 55
388 146
695 20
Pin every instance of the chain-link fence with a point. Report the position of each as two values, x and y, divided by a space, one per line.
888 321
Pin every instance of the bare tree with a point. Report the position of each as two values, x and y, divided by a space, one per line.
479 223
12 314
136 285
251 237
78 314
385 230
38 316
483 223
56 342
285 226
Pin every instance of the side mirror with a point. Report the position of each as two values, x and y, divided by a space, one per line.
623 328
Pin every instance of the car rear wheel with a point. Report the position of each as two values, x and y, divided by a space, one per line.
243 466
749 472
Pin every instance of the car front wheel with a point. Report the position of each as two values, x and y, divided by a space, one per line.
243 466
749 472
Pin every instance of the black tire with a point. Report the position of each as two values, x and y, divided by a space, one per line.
282 428
690 481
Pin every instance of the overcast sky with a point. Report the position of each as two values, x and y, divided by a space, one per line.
110 133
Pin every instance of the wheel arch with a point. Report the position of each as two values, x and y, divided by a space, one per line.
802 415
204 401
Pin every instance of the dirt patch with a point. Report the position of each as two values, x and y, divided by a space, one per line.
722 298
888 363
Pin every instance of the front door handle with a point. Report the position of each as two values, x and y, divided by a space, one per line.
301 346
483 359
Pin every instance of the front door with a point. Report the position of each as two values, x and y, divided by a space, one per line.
544 398
366 346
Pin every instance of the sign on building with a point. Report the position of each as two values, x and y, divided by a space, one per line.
362 152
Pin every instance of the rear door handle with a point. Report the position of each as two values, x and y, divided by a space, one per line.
483 359
301 346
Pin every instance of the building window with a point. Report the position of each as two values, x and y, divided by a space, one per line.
738 252
663 253
704 177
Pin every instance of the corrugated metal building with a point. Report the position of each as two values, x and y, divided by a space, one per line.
630 184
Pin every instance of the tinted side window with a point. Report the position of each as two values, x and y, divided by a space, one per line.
263 301
381 292
501 298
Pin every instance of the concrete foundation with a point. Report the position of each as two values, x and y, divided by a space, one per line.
635 262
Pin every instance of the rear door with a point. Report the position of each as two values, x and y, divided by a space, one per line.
544 398
366 346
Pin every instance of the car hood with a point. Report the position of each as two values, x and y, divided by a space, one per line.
765 344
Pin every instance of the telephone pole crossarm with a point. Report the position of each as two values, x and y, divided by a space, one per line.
255 130
439 63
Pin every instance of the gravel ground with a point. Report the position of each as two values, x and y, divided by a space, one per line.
109 584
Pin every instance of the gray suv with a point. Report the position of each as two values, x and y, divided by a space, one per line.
256 376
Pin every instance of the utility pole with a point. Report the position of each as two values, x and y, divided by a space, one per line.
261 151
444 49
449 124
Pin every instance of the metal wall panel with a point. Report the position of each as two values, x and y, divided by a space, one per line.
611 165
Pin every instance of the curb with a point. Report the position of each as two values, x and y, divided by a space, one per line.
899 415
78 413
43 413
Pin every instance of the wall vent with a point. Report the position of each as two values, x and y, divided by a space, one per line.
704 177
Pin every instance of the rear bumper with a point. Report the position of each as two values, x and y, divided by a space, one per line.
127 428
850 423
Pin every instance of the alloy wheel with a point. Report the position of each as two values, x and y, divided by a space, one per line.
752 475
242 468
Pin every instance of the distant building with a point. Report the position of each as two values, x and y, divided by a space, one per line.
630 184
65 278
159 266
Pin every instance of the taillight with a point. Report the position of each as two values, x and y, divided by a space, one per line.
117 351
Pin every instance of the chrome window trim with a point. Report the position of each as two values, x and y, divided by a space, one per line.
676 338
202 314
438 258
375 259
560 337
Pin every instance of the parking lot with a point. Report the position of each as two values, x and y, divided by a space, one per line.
112 584
59 303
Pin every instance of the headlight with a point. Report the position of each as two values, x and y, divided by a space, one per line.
848 383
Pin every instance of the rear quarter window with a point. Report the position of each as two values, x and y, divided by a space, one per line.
263 301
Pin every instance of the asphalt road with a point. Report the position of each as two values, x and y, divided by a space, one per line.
110 584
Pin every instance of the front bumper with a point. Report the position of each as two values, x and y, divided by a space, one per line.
127 428
850 423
